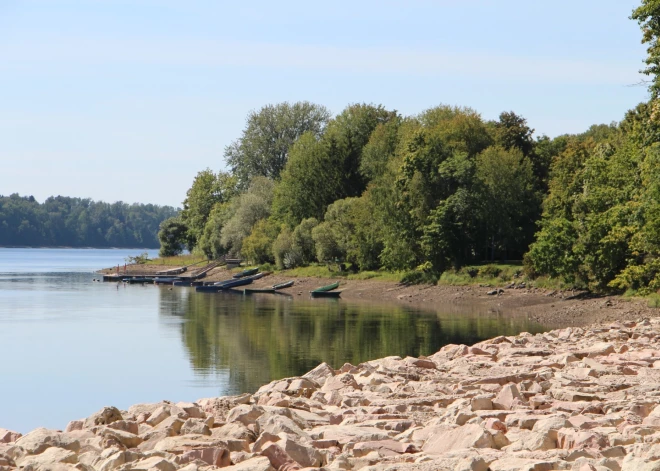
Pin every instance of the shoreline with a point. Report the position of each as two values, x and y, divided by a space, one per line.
548 307
571 398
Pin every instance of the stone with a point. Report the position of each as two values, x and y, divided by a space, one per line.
213 456
40 439
481 403
446 439
279 459
259 463
340 382
49 456
105 416
8 436
197 426
158 415
508 397
154 462
245 414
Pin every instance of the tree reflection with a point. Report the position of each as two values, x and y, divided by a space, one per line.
258 338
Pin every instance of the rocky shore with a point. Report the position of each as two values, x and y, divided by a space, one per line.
571 399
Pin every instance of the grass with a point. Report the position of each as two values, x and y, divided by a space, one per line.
323 271
177 260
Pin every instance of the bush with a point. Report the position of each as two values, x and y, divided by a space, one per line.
490 271
417 277
258 246
472 272
303 241
327 245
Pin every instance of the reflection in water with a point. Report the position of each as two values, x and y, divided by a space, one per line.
256 339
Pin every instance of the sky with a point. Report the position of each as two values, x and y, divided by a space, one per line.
119 100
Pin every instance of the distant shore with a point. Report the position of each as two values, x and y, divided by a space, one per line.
552 308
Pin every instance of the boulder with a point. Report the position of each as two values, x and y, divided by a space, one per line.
213 456
105 416
446 439
7 436
508 397
40 439
259 463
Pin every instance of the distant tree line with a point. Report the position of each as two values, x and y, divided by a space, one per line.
76 222
438 191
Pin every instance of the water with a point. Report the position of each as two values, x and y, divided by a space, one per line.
69 346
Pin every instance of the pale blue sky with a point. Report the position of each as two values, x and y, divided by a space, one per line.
128 100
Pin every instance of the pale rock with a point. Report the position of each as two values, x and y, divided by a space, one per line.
245 414
182 443
171 426
158 415
194 411
508 397
8 436
234 430
154 462
49 456
522 464
551 425
279 459
213 456
340 382
105 416
320 374
197 426
127 439
40 439
72 426
481 403
446 439
260 463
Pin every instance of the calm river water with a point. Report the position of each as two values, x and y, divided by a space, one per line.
69 346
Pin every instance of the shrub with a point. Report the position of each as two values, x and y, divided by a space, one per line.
490 271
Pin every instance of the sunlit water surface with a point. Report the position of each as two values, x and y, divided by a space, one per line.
69 345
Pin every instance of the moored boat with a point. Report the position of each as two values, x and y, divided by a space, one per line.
287 284
244 273
326 288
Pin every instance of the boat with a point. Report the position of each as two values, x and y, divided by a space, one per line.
326 288
287 284
226 285
325 294
244 273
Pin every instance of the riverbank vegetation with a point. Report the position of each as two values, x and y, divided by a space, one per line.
434 194
74 222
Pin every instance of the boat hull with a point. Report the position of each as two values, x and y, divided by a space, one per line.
325 294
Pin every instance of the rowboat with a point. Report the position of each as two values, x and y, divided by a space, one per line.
287 284
244 273
325 294
227 284
325 288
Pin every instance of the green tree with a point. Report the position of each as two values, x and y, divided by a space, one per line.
258 246
210 243
263 148
247 209
302 240
207 190
648 17
173 235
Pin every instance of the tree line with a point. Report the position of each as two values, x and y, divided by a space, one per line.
437 191
76 222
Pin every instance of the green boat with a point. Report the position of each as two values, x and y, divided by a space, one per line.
326 288
287 284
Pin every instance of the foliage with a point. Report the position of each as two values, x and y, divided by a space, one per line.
76 222
326 243
648 17
302 240
173 236
258 246
263 148
139 259
207 190
247 209
210 243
